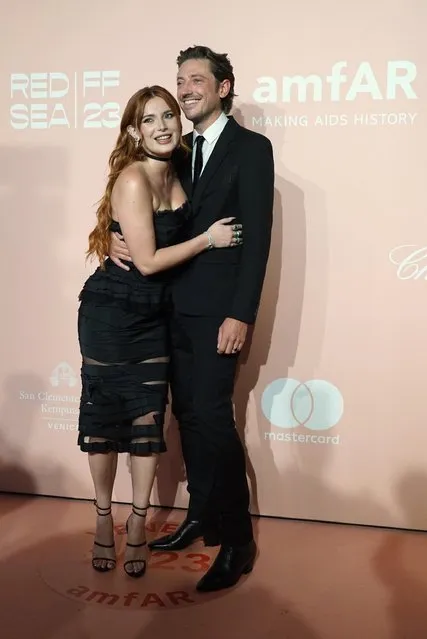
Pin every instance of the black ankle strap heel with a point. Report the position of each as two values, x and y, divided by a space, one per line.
136 508
110 564
138 573
99 510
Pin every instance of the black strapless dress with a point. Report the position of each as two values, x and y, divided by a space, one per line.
123 336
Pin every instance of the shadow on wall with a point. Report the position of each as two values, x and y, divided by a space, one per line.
400 562
293 485
285 280
297 276
305 486
22 470
17 428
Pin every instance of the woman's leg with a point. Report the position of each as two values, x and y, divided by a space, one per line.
103 467
143 470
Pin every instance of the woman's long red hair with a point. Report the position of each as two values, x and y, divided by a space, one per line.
125 152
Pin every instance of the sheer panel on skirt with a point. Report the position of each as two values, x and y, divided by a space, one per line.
123 405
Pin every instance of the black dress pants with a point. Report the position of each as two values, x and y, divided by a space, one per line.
202 386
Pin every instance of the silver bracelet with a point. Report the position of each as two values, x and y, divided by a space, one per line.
211 243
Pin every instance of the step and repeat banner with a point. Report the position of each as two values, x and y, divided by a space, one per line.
330 397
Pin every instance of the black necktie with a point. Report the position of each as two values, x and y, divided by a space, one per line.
198 162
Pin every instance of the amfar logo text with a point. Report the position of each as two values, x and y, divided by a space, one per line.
397 82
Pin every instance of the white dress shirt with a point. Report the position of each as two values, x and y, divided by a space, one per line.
211 136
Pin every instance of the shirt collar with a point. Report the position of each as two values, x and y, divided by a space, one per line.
213 131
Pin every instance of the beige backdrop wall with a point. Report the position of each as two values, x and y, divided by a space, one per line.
331 399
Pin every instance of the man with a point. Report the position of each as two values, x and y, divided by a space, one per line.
215 297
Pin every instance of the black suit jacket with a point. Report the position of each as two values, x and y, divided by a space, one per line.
238 180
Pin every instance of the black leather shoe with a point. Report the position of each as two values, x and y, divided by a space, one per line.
187 533
231 563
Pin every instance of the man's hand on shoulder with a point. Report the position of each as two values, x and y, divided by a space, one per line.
118 251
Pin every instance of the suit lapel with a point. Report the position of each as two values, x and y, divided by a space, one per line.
215 159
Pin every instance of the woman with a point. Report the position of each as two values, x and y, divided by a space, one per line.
122 316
